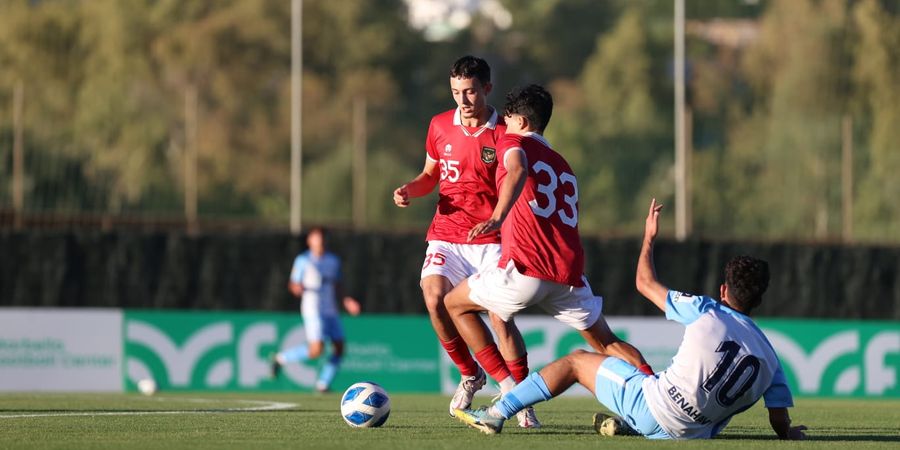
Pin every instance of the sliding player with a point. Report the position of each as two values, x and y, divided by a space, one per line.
723 366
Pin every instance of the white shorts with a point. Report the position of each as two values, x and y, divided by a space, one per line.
505 292
456 262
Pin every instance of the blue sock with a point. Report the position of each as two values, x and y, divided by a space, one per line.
329 370
530 391
299 353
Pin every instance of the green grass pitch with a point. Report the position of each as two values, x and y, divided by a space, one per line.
215 421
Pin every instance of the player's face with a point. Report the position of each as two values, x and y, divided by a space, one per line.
316 242
470 95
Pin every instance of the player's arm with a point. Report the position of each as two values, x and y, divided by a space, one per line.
515 163
419 186
780 420
295 288
295 285
645 279
350 304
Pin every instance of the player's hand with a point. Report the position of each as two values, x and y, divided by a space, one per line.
401 196
797 433
488 226
651 228
352 306
296 289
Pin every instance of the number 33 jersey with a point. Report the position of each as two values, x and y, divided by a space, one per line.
540 233
467 160
723 366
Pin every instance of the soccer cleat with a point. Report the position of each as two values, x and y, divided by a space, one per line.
274 366
321 387
466 390
527 419
607 425
480 419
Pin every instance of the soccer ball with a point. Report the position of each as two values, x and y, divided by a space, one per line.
365 405
147 386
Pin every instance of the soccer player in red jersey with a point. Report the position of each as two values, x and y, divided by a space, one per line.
462 160
542 261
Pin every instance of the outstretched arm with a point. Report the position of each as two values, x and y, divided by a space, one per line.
645 279
350 304
516 173
780 420
421 185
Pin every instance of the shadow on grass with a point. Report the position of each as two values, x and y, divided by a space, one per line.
886 437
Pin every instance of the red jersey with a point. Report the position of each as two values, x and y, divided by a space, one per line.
467 158
540 233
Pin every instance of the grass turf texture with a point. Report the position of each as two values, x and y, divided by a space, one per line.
214 421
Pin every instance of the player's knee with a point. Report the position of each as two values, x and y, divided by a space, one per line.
434 301
315 350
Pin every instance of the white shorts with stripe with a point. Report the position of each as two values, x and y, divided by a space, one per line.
505 292
456 262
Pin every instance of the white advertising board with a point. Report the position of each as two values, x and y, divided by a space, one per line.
56 349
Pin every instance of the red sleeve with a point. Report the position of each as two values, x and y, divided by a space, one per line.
506 142
429 142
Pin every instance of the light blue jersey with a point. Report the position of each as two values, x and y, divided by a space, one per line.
318 276
723 366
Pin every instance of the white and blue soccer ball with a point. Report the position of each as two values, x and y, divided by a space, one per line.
365 405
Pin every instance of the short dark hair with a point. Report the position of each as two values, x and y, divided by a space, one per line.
532 102
471 67
747 279
317 229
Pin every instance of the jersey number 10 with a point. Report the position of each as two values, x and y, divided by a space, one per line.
569 218
724 395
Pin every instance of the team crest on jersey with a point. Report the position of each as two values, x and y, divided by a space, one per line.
488 155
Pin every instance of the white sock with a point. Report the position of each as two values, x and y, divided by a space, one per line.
507 384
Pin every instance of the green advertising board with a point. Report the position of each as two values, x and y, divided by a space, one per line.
838 358
231 351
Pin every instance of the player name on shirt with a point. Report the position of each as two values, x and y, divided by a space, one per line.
689 409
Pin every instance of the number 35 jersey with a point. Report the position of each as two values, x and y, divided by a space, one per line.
467 159
723 366
540 233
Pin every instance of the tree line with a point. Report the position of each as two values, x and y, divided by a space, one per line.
103 86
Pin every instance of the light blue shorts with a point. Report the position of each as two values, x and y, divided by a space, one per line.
318 328
619 388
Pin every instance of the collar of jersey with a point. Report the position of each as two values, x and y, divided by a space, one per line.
490 124
538 138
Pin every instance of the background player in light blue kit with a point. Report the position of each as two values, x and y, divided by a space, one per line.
723 366
316 280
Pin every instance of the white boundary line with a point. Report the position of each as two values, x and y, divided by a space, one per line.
262 406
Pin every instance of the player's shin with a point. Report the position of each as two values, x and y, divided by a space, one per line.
458 351
518 368
298 353
530 391
489 358
329 371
